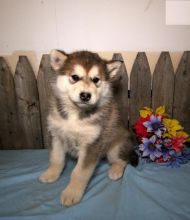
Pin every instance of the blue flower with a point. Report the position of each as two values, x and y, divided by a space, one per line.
154 125
165 153
150 148
186 154
176 159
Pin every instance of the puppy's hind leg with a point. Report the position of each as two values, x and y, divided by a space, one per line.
119 156
118 165
56 162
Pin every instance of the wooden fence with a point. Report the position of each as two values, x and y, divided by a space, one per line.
24 99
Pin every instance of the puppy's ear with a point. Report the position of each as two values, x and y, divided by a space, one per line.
57 59
113 67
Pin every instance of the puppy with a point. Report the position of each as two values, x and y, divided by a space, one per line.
84 121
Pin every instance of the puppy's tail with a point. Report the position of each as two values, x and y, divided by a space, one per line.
128 152
133 158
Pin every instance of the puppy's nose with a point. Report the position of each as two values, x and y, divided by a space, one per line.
85 96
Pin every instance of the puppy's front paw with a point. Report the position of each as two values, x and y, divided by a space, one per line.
48 176
70 196
116 171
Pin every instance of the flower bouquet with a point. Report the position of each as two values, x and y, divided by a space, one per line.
161 139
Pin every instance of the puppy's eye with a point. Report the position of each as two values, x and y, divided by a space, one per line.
75 78
95 80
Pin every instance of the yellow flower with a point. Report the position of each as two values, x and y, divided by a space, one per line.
161 111
145 112
173 126
148 111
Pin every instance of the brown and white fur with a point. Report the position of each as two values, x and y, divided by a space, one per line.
84 120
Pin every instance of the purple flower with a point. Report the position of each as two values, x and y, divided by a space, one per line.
150 148
154 125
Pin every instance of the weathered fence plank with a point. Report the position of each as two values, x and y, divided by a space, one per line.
8 113
28 104
140 87
121 89
44 78
163 83
181 107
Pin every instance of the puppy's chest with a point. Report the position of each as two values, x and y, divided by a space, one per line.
75 130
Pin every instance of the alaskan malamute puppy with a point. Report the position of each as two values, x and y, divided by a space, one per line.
84 120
